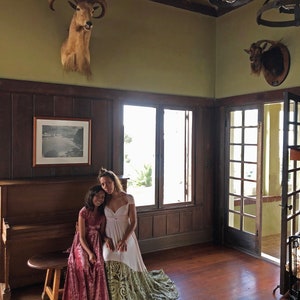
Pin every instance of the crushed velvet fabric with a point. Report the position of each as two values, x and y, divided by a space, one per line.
127 275
86 281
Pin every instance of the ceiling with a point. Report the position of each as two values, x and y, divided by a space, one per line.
205 7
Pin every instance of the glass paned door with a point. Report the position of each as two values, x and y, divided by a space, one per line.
290 180
242 228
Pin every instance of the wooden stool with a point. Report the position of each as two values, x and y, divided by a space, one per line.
53 262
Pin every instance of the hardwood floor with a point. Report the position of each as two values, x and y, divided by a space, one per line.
271 245
205 272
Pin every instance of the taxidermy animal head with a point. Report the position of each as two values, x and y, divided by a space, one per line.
271 58
75 53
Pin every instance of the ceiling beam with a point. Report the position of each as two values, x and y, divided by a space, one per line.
206 7
189 5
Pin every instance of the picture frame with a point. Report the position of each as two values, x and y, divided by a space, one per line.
61 141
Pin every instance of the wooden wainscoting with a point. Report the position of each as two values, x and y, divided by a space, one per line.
166 229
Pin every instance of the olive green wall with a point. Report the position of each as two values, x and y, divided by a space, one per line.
271 214
139 45
235 32
144 46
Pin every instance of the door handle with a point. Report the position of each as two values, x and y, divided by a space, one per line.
289 207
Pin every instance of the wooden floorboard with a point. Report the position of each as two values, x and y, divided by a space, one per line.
205 272
271 245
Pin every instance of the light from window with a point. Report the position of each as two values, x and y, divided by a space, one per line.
177 156
172 156
139 152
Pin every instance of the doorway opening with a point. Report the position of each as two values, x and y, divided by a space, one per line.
262 152
271 181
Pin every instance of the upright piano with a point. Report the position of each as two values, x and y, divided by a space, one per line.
37 216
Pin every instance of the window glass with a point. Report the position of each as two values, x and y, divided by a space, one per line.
235 152
235 169
251 135
139 152
177 156
234 220
171 162
236 118
236 135
251 117
243 156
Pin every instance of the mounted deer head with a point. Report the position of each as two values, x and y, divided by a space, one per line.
75 53
270 57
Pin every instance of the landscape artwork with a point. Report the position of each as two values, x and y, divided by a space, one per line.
61 141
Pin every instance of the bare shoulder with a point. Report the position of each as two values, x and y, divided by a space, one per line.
126 198
129 198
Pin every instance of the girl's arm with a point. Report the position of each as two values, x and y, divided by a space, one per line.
81 227
102 229
122 245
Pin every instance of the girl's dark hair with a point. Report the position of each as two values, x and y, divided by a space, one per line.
106 173
88 200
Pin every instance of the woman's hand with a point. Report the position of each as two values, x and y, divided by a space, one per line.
122 246
109 244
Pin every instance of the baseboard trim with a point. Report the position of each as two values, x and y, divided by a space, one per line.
175 241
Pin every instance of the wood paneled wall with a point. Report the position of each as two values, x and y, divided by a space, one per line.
158 228
17 110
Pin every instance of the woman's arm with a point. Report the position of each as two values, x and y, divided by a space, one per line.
108 241
122 245
81 227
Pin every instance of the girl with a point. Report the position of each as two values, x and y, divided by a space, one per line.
85 279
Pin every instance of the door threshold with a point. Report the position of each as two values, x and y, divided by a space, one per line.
270 258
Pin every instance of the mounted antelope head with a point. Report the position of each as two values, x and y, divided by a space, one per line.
75 53
270 57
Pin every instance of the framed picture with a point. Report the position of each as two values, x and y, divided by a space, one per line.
61 141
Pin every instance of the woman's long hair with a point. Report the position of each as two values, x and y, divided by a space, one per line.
107 173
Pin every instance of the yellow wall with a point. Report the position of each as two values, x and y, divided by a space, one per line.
144 46
235 32
271 214
139 45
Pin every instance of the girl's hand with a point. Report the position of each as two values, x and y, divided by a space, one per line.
109 244
122 246
92 258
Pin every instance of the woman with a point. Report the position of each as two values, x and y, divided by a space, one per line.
85 279
126 273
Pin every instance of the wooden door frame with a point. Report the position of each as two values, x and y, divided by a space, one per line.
233 237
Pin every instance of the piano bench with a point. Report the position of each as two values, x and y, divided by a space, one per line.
53 262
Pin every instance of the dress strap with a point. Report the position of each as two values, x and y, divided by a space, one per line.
130 199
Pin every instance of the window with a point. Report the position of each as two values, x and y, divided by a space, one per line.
139 152
158 154
177 156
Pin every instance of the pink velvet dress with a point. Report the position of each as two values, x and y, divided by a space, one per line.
86 281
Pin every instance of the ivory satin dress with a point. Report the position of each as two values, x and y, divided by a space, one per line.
127 275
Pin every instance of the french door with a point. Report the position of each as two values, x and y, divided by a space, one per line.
290 206
243 158
244 179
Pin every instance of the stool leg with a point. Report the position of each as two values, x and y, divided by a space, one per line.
49 276
56 283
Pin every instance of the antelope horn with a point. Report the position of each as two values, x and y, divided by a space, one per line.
52 1
258 43
103 8
51 4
